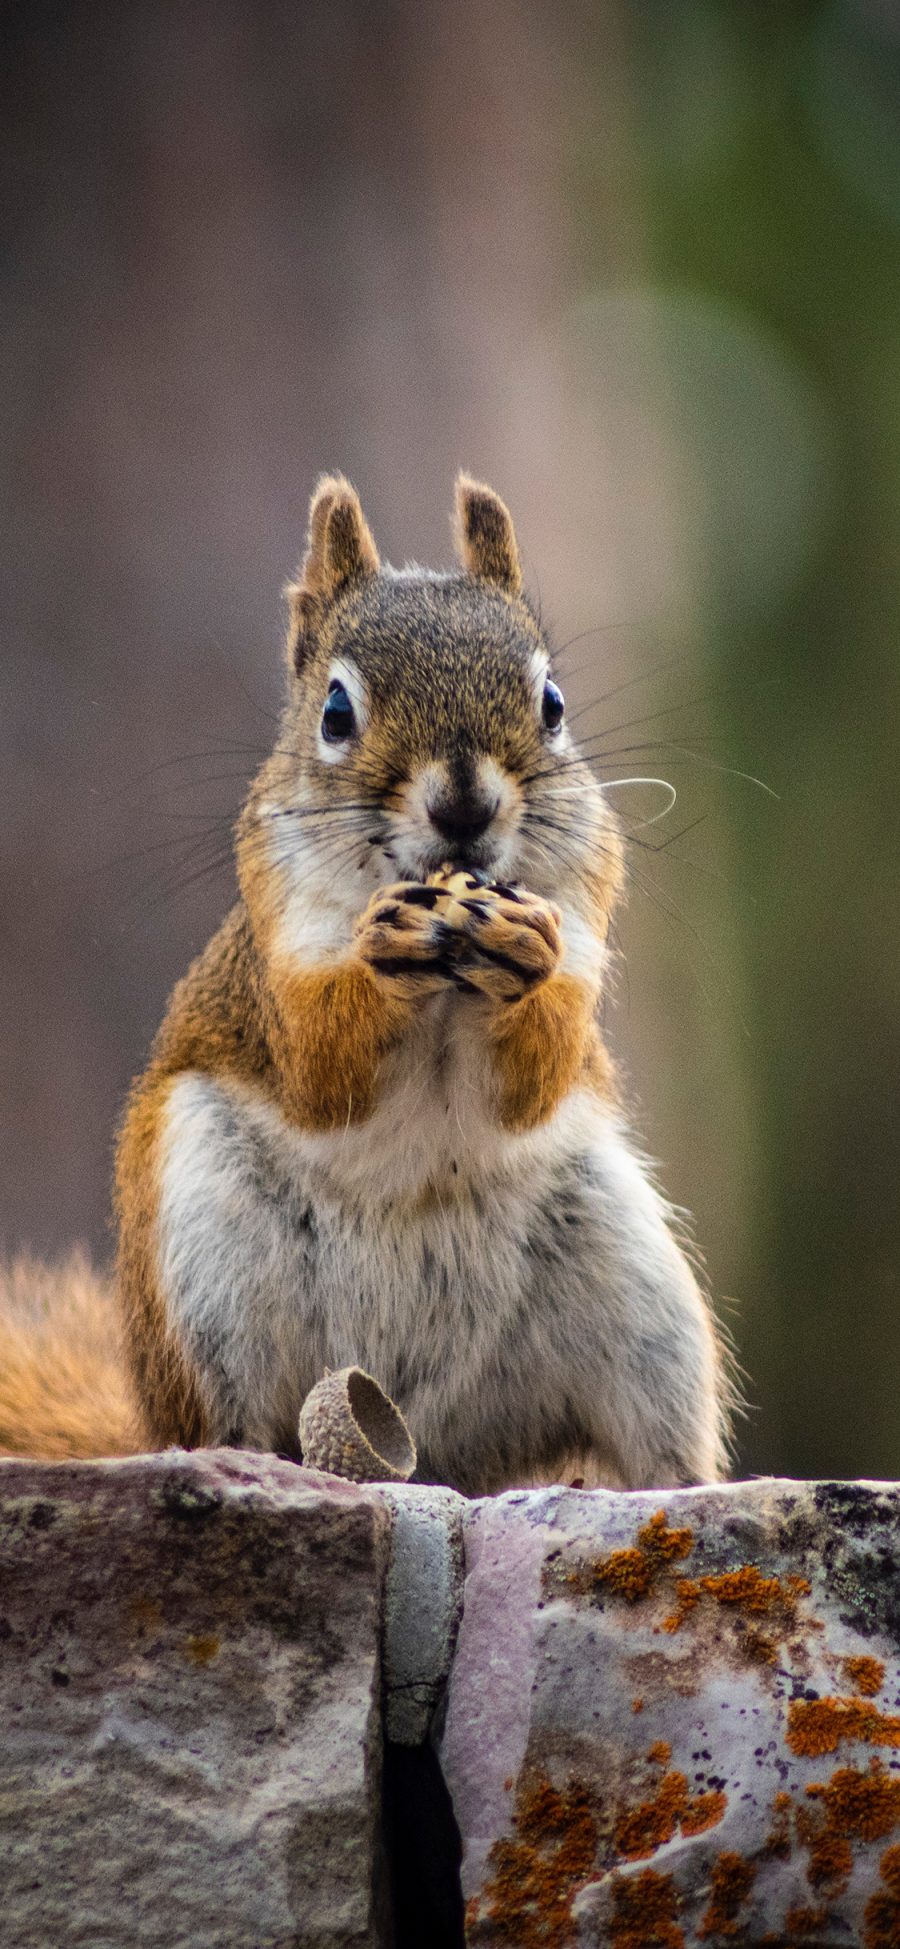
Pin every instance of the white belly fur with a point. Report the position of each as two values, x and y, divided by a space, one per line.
505 1289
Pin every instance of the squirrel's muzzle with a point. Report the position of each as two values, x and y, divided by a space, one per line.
462 820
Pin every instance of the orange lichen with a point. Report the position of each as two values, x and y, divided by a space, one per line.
703 1811
688 1594
804 1922
865 1674
145 1613
882 1918
890 1870
660 1752
641 1830
817 1726
732 1880
863 1806
830 1862
748 1592
632 1573
637 1705
778 1840
645 1911
852 1806
535 1875
203 1648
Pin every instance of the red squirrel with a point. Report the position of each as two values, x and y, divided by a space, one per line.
379 1124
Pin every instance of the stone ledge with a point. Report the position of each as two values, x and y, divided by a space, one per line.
664 1719
190 1668
673 1717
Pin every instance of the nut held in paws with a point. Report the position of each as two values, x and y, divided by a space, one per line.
350 1427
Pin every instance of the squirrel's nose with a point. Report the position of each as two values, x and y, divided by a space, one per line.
462 820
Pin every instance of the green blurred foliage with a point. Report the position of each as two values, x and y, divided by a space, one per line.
768 158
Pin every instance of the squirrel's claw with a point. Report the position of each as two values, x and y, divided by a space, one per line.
481 938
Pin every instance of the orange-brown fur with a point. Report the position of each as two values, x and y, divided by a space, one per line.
63 1386
215 1023
163 1380
334 1028
542 1048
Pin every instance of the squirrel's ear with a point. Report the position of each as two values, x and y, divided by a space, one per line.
485 536
340 550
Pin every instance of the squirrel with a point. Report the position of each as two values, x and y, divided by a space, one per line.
379 1124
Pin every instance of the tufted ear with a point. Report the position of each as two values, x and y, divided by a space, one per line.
485 536
340 551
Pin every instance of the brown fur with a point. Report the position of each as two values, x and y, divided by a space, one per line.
485 535
340 551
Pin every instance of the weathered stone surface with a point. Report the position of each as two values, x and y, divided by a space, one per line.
674 1719
423 1604
189 1663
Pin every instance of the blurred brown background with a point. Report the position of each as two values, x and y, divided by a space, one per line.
638 265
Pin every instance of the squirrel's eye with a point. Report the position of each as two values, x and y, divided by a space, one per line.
338 720
554 705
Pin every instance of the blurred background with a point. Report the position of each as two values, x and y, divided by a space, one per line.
639 266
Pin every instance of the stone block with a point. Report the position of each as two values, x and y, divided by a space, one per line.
423 1602
190 1669
674 1718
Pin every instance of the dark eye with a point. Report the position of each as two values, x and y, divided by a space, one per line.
553 707
338 720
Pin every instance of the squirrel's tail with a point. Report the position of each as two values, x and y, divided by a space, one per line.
63 1385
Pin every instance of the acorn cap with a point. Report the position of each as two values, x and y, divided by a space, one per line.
350 1427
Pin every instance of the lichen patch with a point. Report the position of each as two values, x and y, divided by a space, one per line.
731 1881
853 1807
817 1726
882 1917
535 1874
804 1923
203 1647
749 1595
645 1912
632 1573
641 1829
864 1674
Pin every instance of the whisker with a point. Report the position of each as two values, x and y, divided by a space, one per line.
157 846
272 716
688 703
674 919
681 859
642 676
616 784
313 811
256 752
675 753
703 759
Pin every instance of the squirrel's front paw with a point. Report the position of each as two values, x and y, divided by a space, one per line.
401 936
504 941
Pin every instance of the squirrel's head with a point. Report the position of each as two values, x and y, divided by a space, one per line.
424 722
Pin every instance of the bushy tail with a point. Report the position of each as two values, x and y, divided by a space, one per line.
63 1385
